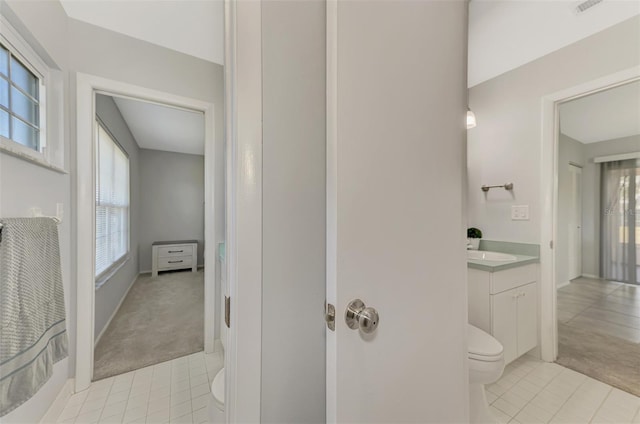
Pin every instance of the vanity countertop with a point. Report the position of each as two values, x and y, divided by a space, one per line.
493 266
525 254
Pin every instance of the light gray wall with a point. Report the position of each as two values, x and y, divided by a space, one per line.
506 144
109 295
293 350
24 185
591 197
72 46
569 151
171 200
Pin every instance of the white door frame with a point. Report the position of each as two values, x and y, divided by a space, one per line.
549 184
87 86
575 252
243 119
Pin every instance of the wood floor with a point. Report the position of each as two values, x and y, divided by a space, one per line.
604 306
599 331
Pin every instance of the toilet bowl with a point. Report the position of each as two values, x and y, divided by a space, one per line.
216 403
486 364
216 406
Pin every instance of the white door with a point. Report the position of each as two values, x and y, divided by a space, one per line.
575 223
396 111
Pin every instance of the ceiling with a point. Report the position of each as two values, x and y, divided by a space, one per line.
163 128
506 34
194 27
605 115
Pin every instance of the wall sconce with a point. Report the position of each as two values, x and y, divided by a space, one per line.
471 119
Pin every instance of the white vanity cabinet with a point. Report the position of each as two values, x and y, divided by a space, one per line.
505 304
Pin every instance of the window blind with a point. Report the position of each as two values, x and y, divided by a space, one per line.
112 202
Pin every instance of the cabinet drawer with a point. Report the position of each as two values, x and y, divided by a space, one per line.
169 251
513 277
175 262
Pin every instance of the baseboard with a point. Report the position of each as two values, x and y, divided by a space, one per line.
54 411
115 311
590 276
563 284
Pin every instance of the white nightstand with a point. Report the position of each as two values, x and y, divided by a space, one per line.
179 254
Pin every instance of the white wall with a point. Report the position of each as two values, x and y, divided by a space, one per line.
569 151
72 47
293 278
24 185
171 201
506 144
109 295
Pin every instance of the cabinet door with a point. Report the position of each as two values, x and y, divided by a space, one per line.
504 322
527 318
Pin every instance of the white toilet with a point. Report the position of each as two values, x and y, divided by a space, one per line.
216 404
486 364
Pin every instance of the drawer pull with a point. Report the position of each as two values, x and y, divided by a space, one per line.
176 251
175 262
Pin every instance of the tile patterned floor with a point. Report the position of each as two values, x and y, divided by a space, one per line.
175 391
531 391
605 306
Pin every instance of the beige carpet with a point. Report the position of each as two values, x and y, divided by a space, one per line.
161 318
607 358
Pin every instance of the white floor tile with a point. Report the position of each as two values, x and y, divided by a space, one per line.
180 409
549 393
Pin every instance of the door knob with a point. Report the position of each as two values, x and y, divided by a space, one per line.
360 316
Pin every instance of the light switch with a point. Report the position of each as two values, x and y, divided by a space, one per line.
520 212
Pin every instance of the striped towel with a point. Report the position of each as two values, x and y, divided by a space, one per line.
32 315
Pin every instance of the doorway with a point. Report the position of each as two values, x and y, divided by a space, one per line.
597 314
88 87
149 234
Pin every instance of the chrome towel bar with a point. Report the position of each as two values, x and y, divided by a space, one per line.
508 186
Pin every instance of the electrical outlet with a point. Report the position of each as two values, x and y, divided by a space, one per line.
520 212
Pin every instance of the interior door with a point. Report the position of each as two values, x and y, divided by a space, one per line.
575 223
396 110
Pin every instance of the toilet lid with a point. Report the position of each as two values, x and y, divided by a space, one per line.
482 346
217 387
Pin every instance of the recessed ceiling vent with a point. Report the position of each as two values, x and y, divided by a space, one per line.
582 7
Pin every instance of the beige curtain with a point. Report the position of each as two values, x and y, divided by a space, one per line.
620 224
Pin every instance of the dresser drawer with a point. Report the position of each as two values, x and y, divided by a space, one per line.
170 251
169 262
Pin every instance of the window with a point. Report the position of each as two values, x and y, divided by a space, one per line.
112 205
20 100
32 111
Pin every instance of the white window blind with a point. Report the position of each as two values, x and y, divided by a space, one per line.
112 204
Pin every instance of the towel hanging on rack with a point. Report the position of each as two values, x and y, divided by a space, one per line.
32 312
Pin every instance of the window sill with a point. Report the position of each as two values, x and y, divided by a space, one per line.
14 149
110 272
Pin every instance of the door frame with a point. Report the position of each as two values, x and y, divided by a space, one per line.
243 121
549 184
87 86
575 170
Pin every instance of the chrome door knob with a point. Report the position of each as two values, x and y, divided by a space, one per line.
359 316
